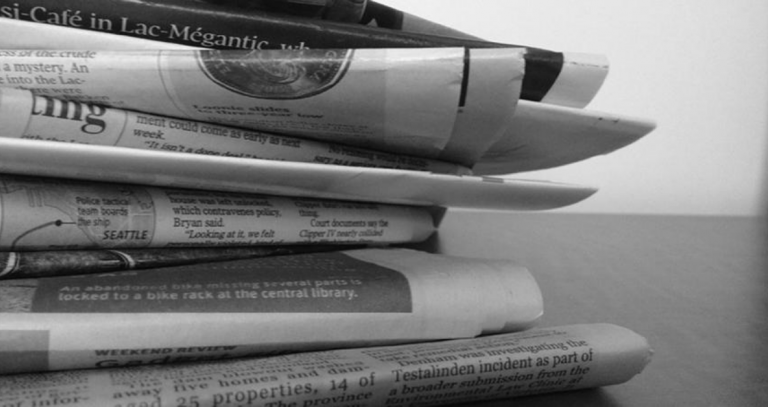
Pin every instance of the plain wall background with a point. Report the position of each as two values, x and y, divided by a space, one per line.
698 68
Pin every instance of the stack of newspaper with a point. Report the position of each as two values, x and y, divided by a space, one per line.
188 187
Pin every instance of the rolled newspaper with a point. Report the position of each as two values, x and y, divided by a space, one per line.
286 303
52 214
538 361
410 101
35 117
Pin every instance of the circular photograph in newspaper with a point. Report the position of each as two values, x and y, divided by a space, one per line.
275 74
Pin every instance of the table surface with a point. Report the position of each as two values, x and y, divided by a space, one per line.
696 287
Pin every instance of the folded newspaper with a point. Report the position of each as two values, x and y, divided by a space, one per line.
414 101
198 312
554 76
246 175
35 117
539 136
542 360
51 214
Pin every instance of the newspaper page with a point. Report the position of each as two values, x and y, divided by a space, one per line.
51 263
51 214
542 360
397 100
35 117
258 306
199 24
194 171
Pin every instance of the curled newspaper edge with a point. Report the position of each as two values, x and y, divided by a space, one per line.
193 171
546 136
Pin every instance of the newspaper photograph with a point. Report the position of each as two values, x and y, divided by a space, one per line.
34 117
396 100
51 214
265 305
541 360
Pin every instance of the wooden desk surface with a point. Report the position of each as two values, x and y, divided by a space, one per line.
696 287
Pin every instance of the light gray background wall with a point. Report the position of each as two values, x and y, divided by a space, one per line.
698 68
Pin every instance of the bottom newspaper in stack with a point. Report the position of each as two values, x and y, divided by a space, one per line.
384 326
491 367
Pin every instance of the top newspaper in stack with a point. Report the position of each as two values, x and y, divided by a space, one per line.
438 373
551 76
